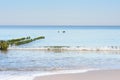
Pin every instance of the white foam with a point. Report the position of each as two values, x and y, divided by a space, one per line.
70 48
16 77
65 72
32 76
11 75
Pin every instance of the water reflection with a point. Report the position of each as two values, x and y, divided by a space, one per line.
3 51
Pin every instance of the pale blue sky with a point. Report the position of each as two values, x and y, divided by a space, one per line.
59 12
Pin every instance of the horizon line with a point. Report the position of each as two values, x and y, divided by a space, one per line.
54 25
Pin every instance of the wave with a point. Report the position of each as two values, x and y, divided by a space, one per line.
30 76
69 48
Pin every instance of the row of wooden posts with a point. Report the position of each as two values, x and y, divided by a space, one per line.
19 41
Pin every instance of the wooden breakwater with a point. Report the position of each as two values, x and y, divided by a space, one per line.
4 45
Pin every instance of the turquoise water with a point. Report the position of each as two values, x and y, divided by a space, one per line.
17 62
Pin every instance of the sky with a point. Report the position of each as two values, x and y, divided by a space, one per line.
59 12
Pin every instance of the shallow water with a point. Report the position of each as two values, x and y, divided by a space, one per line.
17 63
29 60
26 64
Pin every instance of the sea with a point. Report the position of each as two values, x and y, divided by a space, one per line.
26 64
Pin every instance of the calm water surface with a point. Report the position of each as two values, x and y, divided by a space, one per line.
31 60
73 36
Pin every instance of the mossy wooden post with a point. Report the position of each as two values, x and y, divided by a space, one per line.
19 41
4 45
